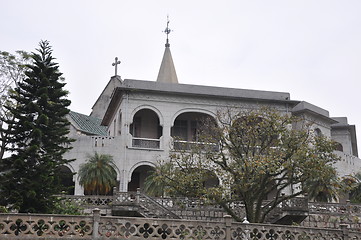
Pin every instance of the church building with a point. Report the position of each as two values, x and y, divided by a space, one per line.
140 122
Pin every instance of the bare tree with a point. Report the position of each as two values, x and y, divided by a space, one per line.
12 72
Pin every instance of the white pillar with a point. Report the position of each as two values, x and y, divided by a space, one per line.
78 190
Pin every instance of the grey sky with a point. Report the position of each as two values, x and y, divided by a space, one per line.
310 48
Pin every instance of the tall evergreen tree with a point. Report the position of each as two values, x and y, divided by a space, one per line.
38 137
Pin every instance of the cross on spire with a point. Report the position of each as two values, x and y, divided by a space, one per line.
116 65
167 31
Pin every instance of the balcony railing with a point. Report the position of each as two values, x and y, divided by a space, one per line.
188 145
146 143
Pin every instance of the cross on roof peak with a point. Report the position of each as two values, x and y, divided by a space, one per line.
167 31
116 65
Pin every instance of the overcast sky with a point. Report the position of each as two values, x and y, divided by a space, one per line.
309 48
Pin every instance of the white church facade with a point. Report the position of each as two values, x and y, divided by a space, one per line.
139 122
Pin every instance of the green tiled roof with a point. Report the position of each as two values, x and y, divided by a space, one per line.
88 124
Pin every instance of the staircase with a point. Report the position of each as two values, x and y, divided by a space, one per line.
152 209
140 205
137 204
292 211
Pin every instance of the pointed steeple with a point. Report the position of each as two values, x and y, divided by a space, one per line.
167 73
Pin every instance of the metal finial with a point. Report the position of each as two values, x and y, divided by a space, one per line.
167 31
116 65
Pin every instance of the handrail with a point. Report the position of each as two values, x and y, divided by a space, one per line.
147 139
145 143
144 198
187 144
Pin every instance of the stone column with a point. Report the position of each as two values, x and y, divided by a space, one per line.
228 222
166 144
78 189
96 220
345 231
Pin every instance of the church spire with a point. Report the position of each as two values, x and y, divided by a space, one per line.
167 71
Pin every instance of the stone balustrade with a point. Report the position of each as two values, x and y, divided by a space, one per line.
145 143
187 203
125 197
324 215
36 226
90 200
335 208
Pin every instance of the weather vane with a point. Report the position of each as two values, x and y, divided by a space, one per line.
167 31
116 65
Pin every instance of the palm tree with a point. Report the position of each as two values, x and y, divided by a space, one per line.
320 190
355 188
98 174
153 186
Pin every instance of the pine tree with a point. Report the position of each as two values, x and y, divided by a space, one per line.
38 137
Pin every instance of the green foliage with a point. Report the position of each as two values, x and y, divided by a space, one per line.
3 209
37 137
152 186
323 189
66 207
352 186
259 153
98 174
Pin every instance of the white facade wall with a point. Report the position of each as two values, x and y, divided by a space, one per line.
167 107
343 137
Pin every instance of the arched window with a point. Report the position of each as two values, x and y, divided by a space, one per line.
187 127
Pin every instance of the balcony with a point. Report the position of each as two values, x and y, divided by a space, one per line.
189 145
146 130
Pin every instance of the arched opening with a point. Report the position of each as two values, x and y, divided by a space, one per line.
66 180
318 132
138 177
187 128
338 147
211 180
145 129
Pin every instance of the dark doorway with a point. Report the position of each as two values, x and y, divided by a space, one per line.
66 180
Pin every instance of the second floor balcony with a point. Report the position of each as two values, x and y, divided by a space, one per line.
146 130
